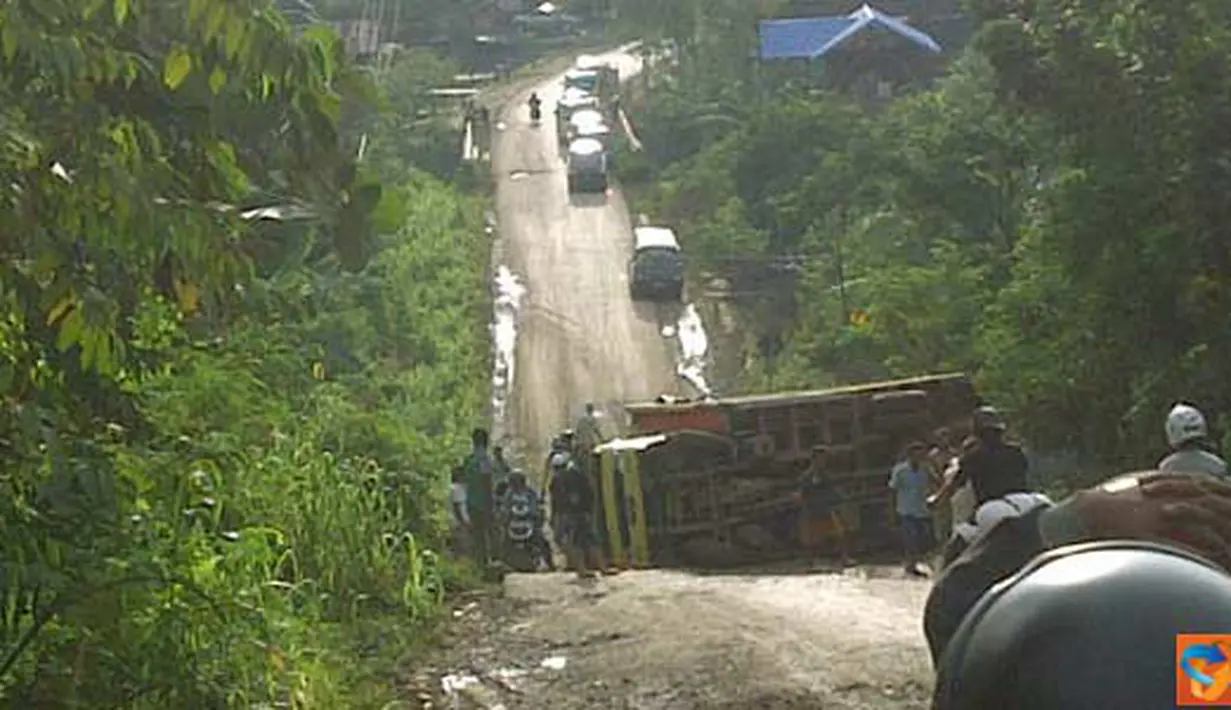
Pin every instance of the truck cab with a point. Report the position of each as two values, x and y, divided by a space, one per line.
586 80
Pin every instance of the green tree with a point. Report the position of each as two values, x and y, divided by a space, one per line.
233 363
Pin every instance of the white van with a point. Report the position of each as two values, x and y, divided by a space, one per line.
656 270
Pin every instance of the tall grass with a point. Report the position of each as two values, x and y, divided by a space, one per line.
268 511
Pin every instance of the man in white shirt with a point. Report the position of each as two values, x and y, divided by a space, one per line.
460 514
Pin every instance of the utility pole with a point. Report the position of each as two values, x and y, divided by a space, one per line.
397 19
837 245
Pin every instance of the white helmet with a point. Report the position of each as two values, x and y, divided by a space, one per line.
559 459
1184 423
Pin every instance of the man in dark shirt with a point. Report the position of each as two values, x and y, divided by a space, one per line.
994 468
572 500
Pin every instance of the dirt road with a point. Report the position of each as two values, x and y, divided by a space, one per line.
647 639
579 338
666 640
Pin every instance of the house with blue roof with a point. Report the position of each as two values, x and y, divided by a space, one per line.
867 51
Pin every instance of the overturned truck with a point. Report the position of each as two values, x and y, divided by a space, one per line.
714 482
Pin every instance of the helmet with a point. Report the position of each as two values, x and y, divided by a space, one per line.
988 418
1054 635
1184 423
559 460
517 476
568 435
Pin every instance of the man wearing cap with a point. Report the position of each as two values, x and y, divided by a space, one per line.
994 467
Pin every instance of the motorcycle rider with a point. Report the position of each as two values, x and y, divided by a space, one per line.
1055 637
1187 434
536 107
524 519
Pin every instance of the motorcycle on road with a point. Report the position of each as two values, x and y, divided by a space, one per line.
536 110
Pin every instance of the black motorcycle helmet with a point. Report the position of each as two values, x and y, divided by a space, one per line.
1084 626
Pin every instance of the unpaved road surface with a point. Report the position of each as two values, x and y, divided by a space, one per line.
644 639
580 337
659 640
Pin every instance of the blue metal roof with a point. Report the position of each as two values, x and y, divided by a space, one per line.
790 39
814 37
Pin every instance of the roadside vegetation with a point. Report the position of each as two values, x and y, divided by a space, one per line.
225 431
1046 209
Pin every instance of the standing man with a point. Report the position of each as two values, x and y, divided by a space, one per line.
818 510
589 435
480 494
911 480
572 501
940 456
994 467
500 466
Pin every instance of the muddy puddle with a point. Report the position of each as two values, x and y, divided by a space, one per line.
693 346
509 292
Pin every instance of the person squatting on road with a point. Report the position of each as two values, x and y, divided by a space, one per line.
523 519
572 503
911 481
1077 605
480 495
819 520
1188 437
